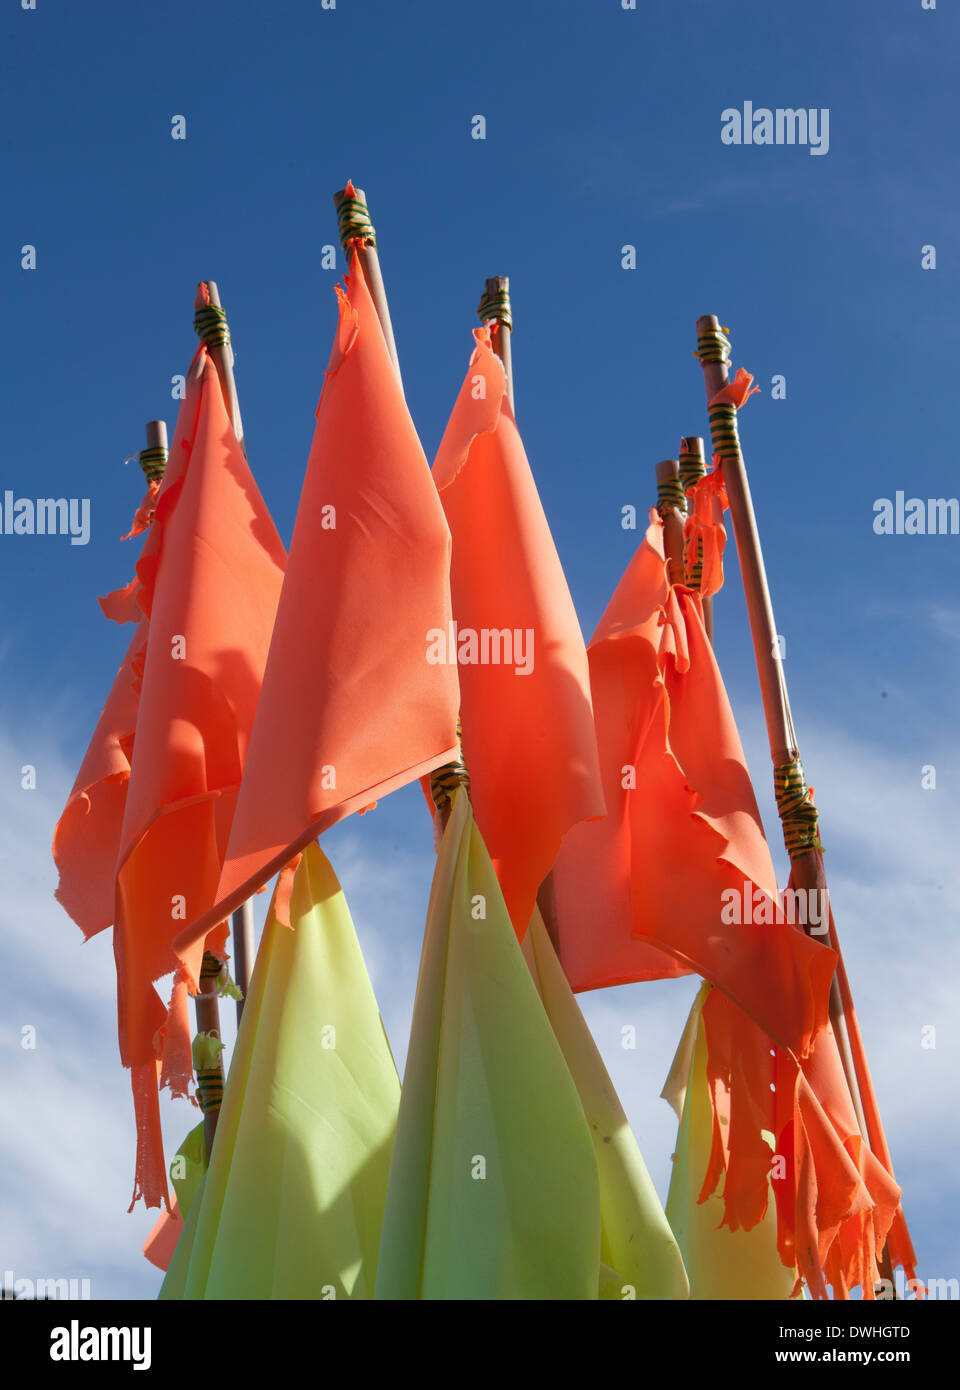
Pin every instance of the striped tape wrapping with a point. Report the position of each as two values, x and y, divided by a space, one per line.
210 324
496 306
353 222
713 345
693 565
670 494
445 780
798 815
153 462
210 966
210 1089
207 1048
724 434
692 469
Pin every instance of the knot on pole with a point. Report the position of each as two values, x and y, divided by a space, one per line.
207 1065
798 815
210 1089
210 324
353 219
713 345
153 462
213 969
692 464
670 494
496 307
445 780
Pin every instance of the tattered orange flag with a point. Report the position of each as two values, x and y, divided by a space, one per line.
208 582
352 707
528 737
87 838
835 1199
681 862
899 1244
704 534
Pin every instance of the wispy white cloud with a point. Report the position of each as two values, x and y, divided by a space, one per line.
66 1130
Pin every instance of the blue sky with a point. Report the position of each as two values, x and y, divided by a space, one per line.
603 129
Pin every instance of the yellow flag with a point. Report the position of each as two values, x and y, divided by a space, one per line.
493 1186
720 1263
638 1246
292 1201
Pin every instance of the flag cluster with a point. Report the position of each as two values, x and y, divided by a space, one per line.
421 627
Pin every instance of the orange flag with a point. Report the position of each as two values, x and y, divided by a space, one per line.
683 841
351 706
899 1245
208 582
87 838
704 534
528 737
835 1199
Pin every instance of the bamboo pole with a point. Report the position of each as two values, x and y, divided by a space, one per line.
693 467
353 218
668 483
153 459
241 924
495 307
157 435
807 869
693 464
222 356
207 1007
757 592
223 361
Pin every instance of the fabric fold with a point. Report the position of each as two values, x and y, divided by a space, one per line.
528 735
638 1248
352 707
208 580
646 893
494 1191
292 1201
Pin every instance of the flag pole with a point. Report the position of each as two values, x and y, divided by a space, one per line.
495 311
353 221
156 441
797 812
209 1068
693 467
494 308
671 505
222 355
207 302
